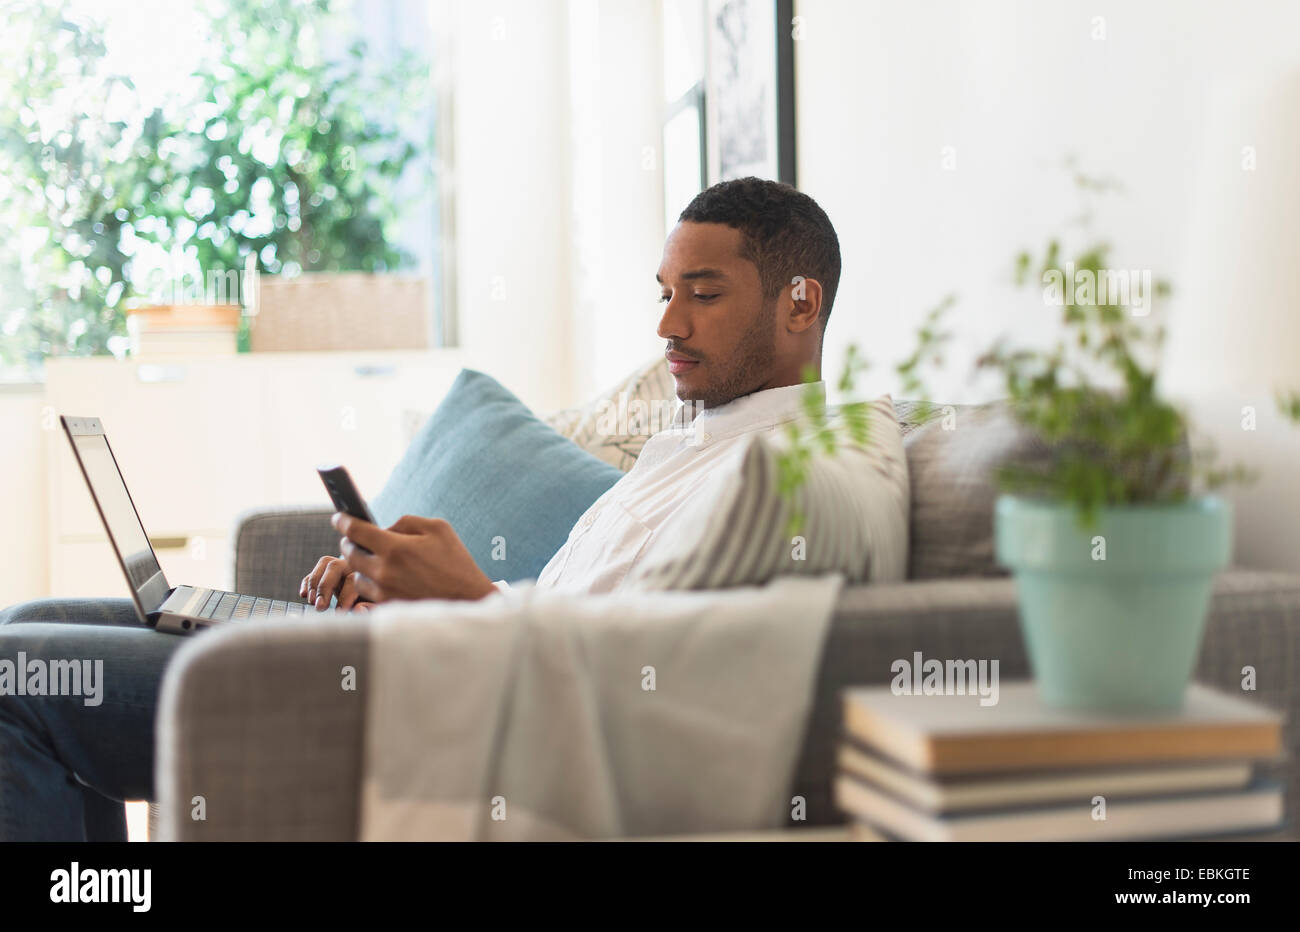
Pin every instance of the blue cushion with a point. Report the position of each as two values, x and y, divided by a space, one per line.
487 465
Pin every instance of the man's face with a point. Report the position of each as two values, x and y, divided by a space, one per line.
721 333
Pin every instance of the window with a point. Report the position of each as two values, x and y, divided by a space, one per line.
150 150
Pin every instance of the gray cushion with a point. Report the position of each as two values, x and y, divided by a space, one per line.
952 462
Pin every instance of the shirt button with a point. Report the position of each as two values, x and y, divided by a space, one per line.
589 520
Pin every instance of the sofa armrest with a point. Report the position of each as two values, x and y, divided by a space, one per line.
256 719
276 547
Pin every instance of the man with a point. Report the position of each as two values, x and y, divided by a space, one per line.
748 277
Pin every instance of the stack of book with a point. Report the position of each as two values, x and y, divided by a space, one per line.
947 768
183 329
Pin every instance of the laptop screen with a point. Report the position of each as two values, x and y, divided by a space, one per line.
123 524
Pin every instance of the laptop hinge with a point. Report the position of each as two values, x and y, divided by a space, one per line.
176 599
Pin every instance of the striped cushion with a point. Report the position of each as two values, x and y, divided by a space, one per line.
855 516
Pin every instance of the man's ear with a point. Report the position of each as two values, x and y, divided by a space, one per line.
806 300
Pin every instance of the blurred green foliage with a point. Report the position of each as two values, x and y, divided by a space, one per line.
276 148
1091 397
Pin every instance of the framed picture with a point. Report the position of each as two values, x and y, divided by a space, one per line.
728 95
749 90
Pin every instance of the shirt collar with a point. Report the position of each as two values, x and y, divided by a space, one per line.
756 411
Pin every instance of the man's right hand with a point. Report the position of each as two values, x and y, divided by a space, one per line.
329 578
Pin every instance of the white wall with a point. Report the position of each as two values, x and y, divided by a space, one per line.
618 233
512 192
1014 86
1236 343
556 104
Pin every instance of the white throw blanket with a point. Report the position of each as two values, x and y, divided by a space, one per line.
545 715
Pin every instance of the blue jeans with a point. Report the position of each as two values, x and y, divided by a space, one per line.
66 766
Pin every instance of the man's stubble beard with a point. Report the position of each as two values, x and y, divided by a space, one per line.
750 366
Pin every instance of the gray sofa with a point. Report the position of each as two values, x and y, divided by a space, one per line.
254 721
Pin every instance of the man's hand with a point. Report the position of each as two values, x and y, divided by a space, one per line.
415 558
330 577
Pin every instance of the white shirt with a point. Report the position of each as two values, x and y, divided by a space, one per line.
623 525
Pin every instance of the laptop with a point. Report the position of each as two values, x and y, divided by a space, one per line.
176 609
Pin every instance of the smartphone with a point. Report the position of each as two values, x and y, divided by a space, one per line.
343 493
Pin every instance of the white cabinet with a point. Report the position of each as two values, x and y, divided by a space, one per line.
200 440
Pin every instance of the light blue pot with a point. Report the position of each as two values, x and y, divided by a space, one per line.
1123 633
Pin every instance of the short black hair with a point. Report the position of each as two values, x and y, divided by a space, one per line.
785 233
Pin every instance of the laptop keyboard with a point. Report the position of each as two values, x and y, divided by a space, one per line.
231 606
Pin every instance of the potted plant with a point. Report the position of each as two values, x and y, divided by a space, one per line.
1114 537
